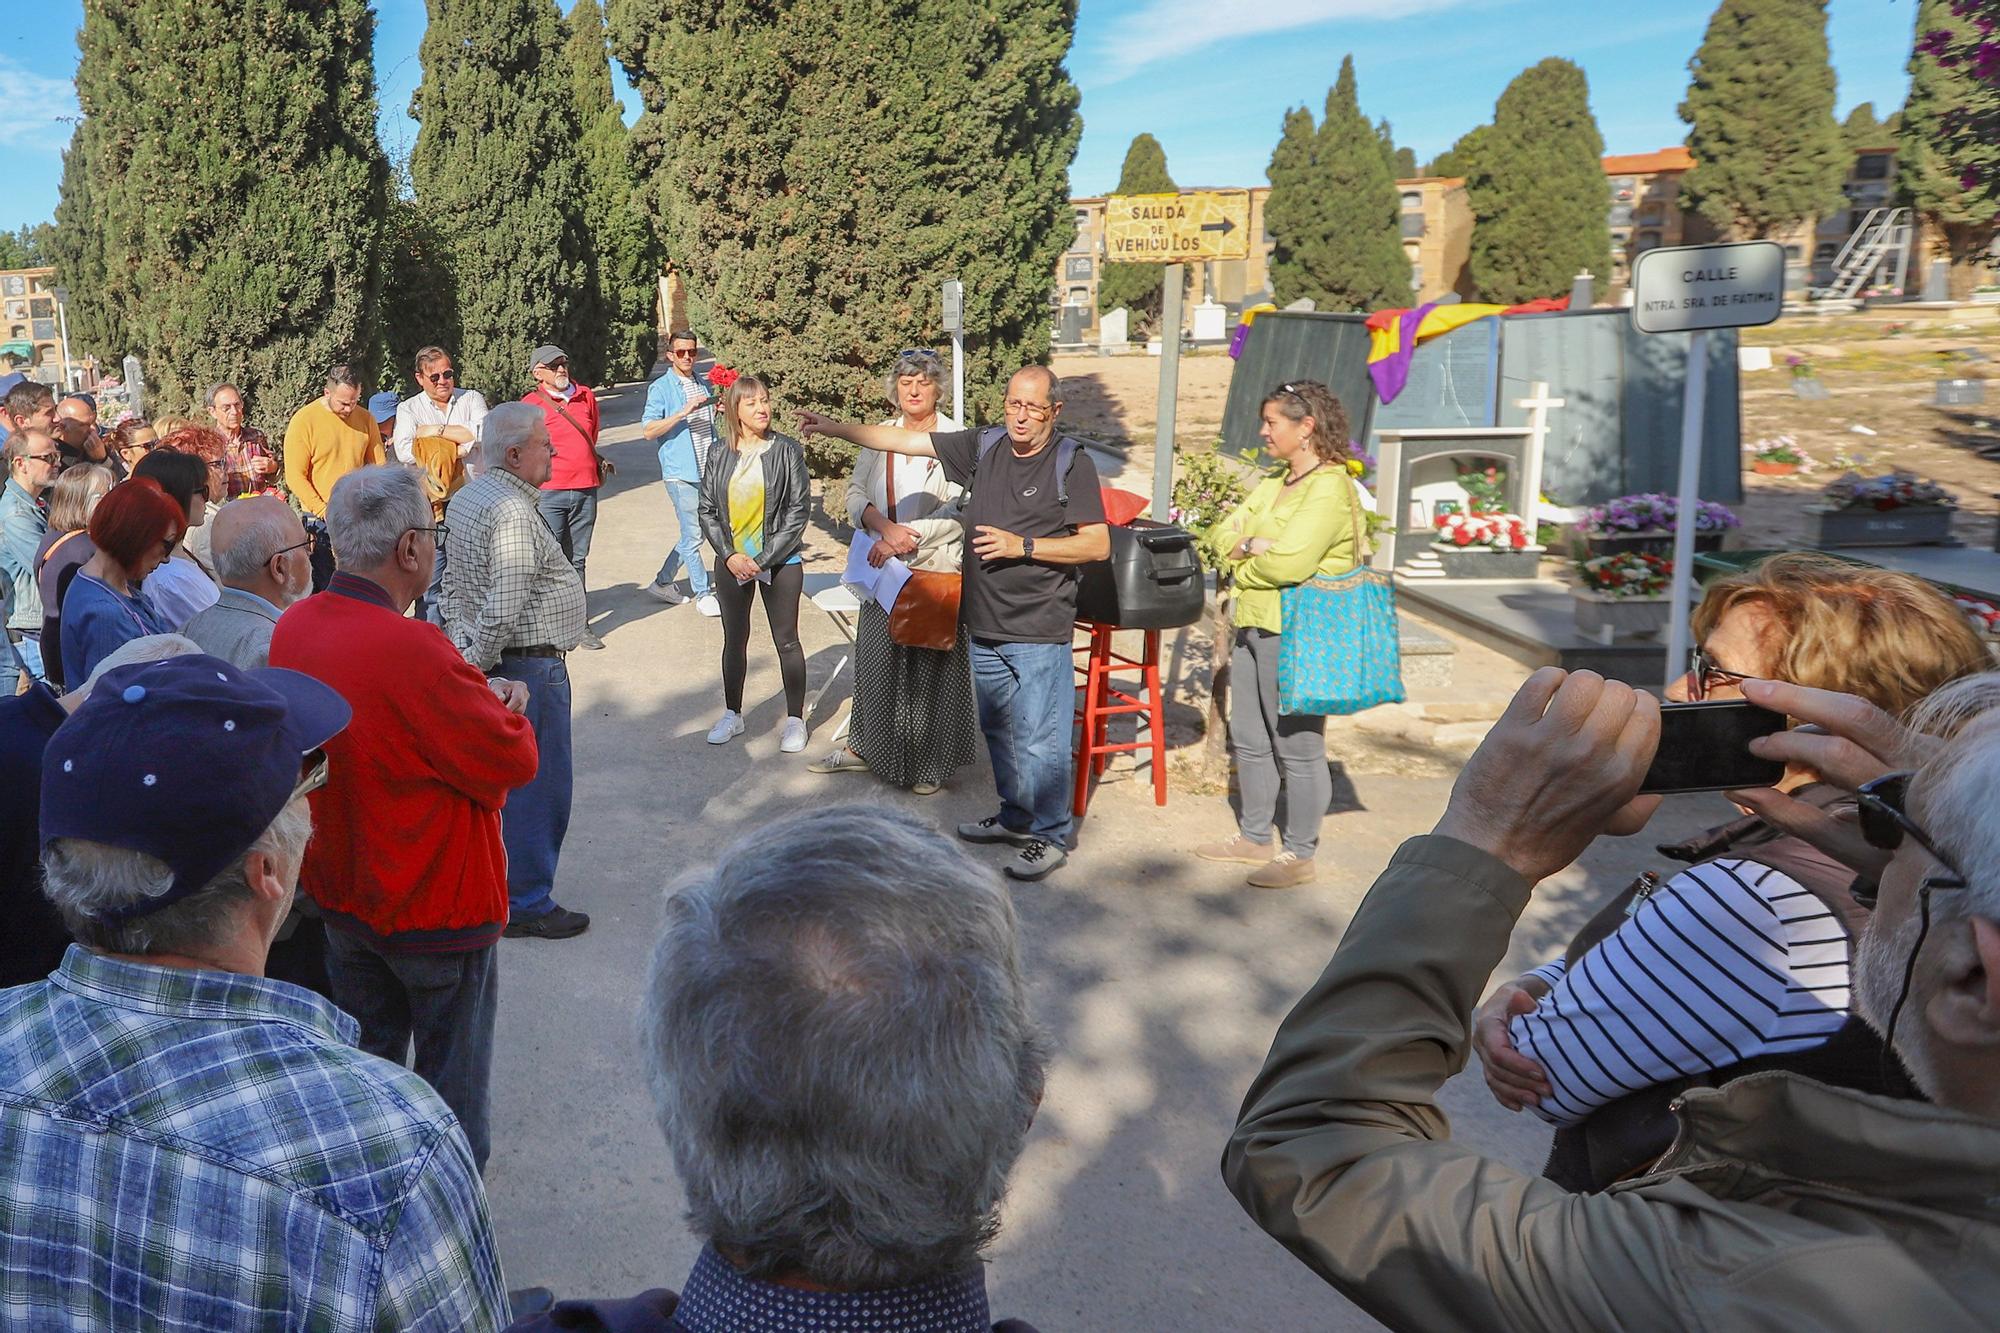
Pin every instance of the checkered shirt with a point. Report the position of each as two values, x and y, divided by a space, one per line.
197 1150
507 583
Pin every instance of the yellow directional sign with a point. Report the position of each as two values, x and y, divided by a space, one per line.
1177 228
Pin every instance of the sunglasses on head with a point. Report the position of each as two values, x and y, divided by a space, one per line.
1885 822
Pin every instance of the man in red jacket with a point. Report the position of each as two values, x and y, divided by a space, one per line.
569 496
406 859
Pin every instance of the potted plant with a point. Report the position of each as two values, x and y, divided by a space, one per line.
1778 456
1647 523
1894 509
1623 593
1485 546
1805 378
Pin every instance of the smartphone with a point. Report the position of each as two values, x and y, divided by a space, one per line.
1706 747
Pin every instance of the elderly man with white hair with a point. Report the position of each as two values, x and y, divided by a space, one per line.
185 1143
407 865
513 605
845 1067
263 560
1783 1202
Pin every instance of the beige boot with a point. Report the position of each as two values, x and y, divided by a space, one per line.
1283 871
1238 848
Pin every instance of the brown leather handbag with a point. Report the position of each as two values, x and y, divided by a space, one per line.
926 610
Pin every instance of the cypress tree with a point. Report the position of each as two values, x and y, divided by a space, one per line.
222 214
1760 118
816 171
497 173
1457 160
1336 232
1137 286
1536 185
1402 161
622 260
1936 168
1861 130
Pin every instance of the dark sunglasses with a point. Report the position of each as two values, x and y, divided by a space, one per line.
1885 822
560 363
440 376
682 351
1704 674
43 458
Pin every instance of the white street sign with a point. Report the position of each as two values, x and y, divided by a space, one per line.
1689 287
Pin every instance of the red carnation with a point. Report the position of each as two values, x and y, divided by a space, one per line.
721 377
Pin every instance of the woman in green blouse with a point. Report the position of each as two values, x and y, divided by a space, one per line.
1298 523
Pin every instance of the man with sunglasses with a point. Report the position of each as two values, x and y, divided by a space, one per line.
1783 1202
569 496
263 560
680 414
265 1173
33 463
440 408
407 862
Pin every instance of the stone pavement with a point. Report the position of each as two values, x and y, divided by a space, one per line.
1159 978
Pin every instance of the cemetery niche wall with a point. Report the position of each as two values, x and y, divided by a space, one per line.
1617 432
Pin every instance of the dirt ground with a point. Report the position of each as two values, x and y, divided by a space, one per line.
1880 368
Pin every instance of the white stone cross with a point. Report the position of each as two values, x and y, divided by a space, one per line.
1537 404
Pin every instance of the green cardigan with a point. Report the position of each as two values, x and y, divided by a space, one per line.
1311 527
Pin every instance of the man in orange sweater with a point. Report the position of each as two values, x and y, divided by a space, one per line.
406 860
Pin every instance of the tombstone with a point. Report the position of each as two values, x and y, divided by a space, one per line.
1304 305
1937 281
1753 358
1071 321
1114 330
1211 322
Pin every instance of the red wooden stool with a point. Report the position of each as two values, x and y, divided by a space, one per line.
1102 699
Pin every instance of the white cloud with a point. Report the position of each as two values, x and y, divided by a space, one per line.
39 112
1157 30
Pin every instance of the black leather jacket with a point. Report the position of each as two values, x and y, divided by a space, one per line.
787 498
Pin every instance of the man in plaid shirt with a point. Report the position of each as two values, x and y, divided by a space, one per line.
513 604
185 1144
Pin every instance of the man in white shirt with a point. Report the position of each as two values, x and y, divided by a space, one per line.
439 408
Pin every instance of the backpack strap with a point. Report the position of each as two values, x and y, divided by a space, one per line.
1067 449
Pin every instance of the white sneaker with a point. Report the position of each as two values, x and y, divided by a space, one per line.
795 735
708 606
728 729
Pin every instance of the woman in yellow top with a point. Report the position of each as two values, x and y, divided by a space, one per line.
754 497
1295 525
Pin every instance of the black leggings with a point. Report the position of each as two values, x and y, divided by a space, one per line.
781 609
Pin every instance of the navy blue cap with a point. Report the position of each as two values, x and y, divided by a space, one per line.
187 760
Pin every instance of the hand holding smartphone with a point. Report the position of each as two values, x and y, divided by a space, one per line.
1706 747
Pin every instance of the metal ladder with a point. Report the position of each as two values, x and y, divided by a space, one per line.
1884 234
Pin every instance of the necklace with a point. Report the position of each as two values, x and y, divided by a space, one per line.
1293 481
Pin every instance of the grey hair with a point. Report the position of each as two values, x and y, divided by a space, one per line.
837 1037
915 361
370 509
508 426
88 880
214 390
20 442
1952 793
243 560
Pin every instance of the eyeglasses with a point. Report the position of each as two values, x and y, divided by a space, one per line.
312 775
43 458
678 352
438 532
286 550
1036 411
440 376
1704 675
560 363
1885 823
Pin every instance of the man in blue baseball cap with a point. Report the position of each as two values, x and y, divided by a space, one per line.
266 1173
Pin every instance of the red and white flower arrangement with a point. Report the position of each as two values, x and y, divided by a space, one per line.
1984 616
1627 574
1499 532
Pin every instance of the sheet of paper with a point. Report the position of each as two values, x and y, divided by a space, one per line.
859 574
892 576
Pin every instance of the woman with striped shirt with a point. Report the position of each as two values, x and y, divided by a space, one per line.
1741 960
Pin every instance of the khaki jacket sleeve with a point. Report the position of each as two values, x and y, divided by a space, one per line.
1342 1154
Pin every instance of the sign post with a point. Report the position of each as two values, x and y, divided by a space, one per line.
1692 289
954 324
1174 230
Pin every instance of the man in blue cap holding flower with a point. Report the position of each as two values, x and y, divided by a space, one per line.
185 1143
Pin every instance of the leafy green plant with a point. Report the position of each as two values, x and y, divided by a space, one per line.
1206 487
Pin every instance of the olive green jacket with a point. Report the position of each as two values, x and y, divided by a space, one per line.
1783 1204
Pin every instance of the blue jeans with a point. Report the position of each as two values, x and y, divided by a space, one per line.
535 819
1027 705
31 658
572 517
686 554
445 1002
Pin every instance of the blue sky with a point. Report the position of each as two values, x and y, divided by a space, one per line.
1211 79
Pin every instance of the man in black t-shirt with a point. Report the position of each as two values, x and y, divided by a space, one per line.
1033 516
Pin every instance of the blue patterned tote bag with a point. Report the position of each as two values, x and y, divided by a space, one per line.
1339 652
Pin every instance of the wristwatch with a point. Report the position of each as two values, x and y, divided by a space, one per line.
1027 548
